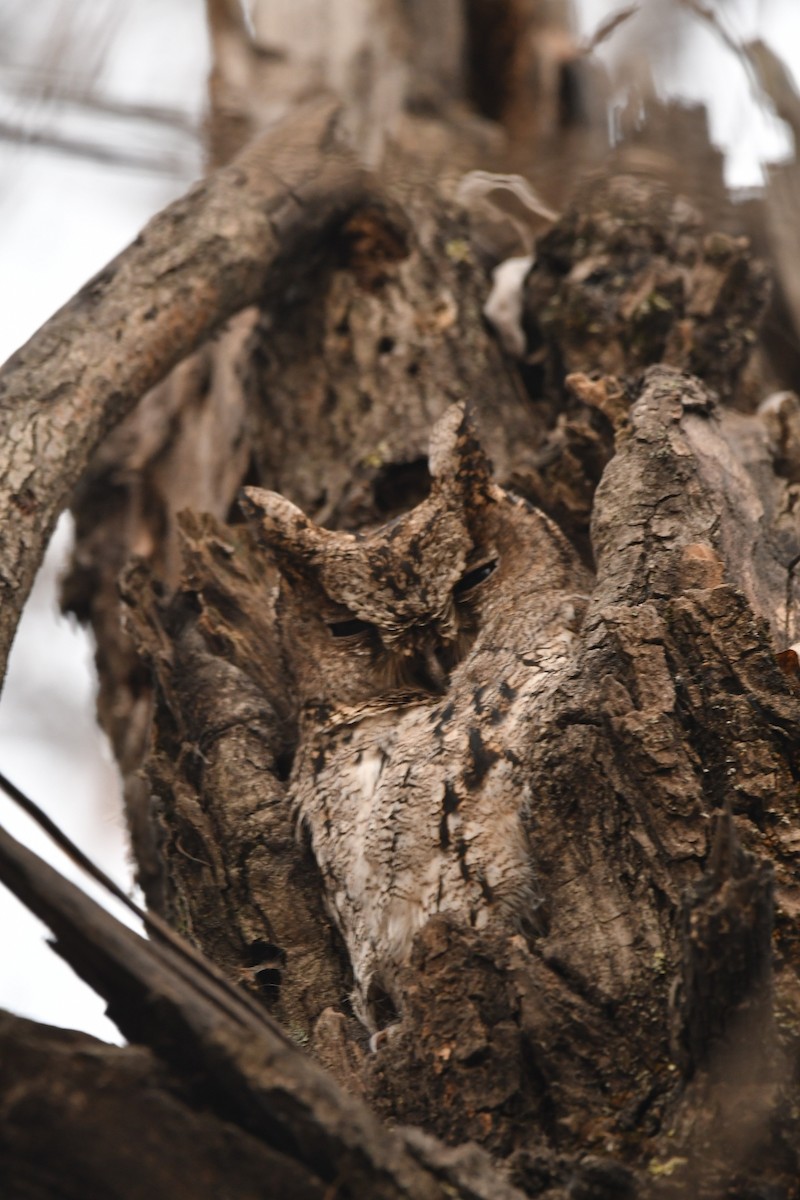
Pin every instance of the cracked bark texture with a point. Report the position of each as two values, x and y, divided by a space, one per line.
643 1042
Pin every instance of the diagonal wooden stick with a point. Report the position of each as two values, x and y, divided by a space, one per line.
225 1047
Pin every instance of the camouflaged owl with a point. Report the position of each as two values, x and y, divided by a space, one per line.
416 650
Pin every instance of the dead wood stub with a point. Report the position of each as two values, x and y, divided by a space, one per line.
460 1036
629 277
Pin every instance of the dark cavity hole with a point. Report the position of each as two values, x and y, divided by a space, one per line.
477 1057
381 1006
261 952
268 981
494 30
385 345
400 486
351 628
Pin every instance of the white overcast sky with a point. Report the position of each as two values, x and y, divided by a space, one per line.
61 219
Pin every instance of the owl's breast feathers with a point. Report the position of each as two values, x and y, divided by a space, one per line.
419 809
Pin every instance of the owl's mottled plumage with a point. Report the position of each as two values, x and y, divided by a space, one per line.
415 650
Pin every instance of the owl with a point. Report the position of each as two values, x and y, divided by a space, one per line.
416 651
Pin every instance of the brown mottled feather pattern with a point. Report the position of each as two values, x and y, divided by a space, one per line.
423 644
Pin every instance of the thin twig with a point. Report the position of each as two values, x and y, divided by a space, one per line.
153 923
94 151
609 26
65 90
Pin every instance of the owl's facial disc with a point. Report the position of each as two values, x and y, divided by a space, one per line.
397 608
422 653
419 659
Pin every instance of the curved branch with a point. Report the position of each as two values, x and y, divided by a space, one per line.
215 251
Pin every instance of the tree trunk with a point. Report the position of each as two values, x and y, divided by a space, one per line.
634 725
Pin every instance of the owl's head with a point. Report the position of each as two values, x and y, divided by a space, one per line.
395 610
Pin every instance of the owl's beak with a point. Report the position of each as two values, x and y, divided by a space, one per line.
433 674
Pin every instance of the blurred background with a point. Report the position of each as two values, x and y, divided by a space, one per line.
101 125
101 110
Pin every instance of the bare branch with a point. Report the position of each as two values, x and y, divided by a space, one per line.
142 1140
241 1061
204 258
68 90
768 74
115 156
608 27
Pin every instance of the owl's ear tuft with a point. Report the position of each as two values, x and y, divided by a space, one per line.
456 459
280 525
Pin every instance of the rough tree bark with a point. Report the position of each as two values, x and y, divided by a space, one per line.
641 1037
